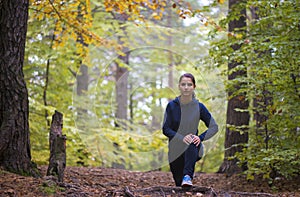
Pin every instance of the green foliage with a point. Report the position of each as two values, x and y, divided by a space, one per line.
50 84
271 162
270 55
52 64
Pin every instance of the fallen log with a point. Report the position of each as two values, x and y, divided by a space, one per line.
57 142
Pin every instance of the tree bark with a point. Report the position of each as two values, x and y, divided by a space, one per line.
15 152
234 139
57 141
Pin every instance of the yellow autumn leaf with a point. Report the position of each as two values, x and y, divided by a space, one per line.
221 1
48 9
155 16
239 36
40 17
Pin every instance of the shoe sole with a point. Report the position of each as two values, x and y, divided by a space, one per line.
186 185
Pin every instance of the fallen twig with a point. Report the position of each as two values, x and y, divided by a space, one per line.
249 194
163 192
212 192
128 192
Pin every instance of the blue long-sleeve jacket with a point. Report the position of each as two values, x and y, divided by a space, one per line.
172 120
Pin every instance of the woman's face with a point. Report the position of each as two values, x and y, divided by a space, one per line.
186 86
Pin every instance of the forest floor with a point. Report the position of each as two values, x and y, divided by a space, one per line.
85 181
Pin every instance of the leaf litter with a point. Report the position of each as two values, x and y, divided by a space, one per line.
93 181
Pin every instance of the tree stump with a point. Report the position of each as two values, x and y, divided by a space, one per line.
57 142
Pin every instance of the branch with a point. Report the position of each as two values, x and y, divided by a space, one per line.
165 191
128 192
73 72
81 29
249 194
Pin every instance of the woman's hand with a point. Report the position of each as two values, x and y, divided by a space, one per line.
190 138
196 140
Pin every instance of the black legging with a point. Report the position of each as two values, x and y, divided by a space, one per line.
184 164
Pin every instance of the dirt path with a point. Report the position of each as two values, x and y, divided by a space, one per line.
82 181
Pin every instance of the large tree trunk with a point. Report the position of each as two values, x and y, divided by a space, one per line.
234 139
14 127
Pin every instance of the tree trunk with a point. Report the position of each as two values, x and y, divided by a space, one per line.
82 80
170 54
82 76
57 141
234 139
47 76
122 74
14 127
121 92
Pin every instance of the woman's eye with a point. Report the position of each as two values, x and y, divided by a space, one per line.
187 84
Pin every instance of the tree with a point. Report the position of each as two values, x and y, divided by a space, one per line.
273 137
237 116
82 76
270 53
15 152
121 74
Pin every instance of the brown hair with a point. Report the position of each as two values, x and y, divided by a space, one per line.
188 75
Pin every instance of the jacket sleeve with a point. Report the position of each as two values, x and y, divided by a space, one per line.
167 125
212 126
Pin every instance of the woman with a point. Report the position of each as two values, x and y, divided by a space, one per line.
180 125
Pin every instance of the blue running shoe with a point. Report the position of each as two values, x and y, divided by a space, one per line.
186 181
